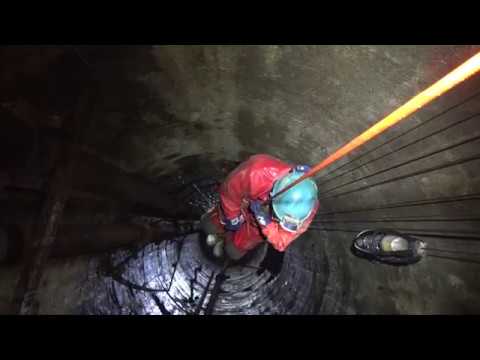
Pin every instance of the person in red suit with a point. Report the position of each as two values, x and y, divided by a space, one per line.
247 216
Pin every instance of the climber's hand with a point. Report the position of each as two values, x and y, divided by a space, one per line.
262 216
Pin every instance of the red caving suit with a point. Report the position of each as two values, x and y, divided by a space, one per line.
253 180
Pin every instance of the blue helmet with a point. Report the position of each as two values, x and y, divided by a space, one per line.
294 206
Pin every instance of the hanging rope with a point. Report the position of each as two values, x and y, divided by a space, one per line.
449 81
389 141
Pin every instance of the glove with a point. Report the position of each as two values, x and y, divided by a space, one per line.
302 168
262 216
233 224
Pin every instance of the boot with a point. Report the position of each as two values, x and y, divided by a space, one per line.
388 247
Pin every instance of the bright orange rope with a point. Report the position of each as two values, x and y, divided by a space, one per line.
452 79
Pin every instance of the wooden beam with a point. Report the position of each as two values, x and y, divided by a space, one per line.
58 192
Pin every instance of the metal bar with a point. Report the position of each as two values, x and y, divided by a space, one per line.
399 149
397 220
434 201
413 232
404 133
407 162
470 261
429 248
204 295
415 173
201 193
219 279
176 263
